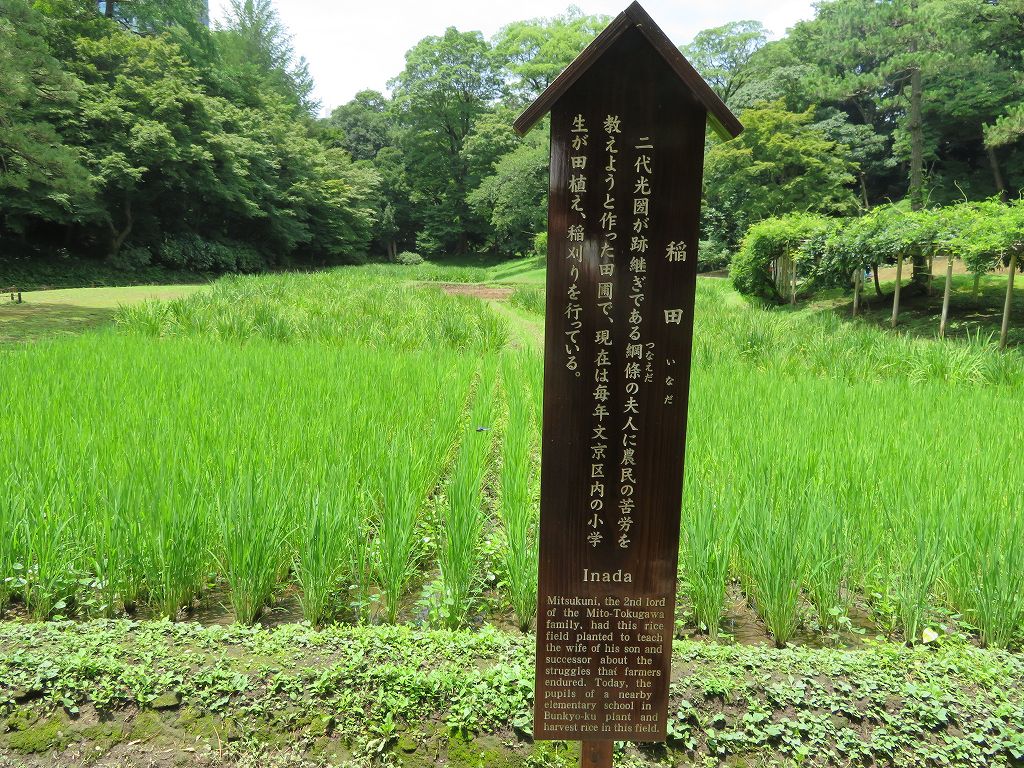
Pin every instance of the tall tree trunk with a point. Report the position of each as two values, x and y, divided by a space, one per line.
878 283
864 190
997 174
945 296
920 278
858 278
108 9
896 293
1009 301
119 236
977 284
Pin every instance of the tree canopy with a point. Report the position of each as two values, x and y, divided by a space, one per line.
133 132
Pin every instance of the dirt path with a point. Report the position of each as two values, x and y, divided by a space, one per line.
485 292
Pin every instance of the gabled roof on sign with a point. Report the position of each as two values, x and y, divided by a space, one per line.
725 123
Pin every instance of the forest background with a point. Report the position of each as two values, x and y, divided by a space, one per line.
136 139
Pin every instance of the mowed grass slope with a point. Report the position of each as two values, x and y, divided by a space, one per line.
45 314
835 473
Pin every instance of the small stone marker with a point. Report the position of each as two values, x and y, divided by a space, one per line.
628 121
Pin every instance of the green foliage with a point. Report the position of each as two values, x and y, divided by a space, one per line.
371 306
768 242
463 512
983 234
722 54
858 56
280 690
712 255
164 133
41 178
447 83
364 124
408 259
519 503
514 197
535 52
780 163
1007 129
257 52
532 298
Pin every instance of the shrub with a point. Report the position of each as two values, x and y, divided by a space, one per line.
199 254
712 255
408 259
132 257
767 241
540 244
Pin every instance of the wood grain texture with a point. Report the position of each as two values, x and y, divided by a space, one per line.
631 80
596 754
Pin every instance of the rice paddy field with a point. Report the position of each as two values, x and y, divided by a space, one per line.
369 444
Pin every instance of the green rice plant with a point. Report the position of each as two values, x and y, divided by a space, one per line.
127 483
709 534
774 549
463 513
518 505
397 547
254 534
11 511
333 552
827 566
371 307
920 563
988 575
530 298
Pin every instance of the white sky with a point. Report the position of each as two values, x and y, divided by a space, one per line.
353 45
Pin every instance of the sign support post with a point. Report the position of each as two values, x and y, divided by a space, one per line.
596 754
628 122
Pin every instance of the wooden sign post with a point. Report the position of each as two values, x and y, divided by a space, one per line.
628 120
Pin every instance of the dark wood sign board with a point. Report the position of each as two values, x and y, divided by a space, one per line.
628 122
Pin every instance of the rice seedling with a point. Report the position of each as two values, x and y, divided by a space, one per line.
709 533
987 575
254 527
917 574
463 514
370 307
827 566
332 547
397 544
518 505
530 298
774 550
303 422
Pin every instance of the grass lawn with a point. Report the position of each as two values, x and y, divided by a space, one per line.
45 314
970 317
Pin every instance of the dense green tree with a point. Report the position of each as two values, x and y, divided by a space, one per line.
927 75
257 52
722 55
513 198
534 52
134 145
365 124
447 83
42 180
780 163
397 222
